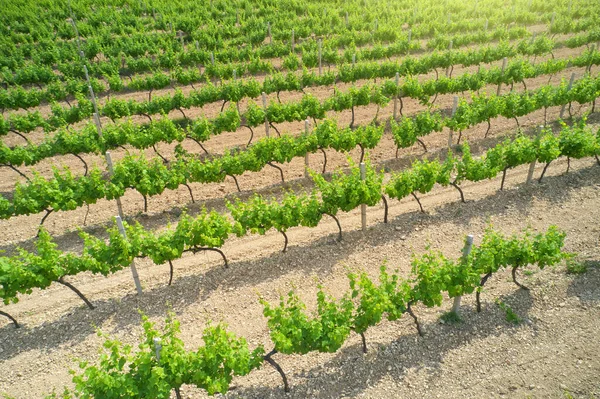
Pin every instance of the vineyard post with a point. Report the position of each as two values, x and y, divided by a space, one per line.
486 25
465 253
396 96
588 69
96 114
353 59
237 17
532 38
293 42
306 128
376 24
111 172
363 207
134 272
454 106
502 75
346 18
562 109
448 68
552 20
269 33
180 35
197 45
320 54
448 19
157 348
264 101
530 172
212 58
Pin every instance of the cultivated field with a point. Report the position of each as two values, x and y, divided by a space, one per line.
245 140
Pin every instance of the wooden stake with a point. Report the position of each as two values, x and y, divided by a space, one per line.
454 106
306 164
562 110
466 252
530 172
396 97
320 54
448 68
264 101
363 207
293 42
157 348
136 278
504 60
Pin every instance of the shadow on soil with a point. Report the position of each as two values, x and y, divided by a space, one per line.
350 372
78 324
586 286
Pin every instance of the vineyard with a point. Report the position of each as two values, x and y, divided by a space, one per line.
299 199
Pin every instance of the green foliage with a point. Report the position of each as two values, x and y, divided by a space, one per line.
511 316
122 373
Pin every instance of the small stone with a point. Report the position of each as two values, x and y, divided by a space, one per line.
403 238
532 386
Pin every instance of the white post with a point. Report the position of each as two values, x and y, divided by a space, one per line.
111 172
448 18
502 74
376 24
396 97
363 207
197 45
157 348
293 42
136 278
450 134
588 68
486 25
346 18
409 35
532 38
264 101
562 109
448 68
212 58
269 32
107 156
552 20
320 54
306 164
530 172
466 252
